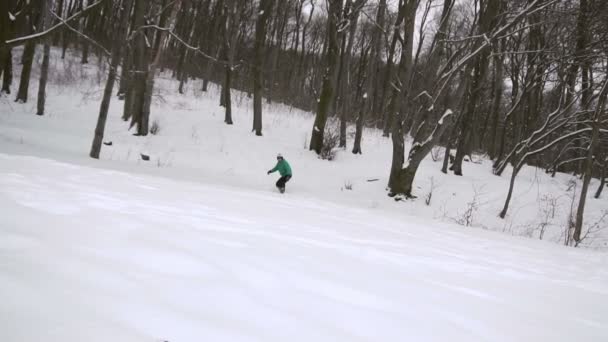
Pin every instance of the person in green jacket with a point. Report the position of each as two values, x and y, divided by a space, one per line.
284 170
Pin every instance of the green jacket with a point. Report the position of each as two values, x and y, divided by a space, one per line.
283 168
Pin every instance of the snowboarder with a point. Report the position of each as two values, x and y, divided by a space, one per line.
284 170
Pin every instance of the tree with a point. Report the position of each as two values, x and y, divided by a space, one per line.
264 12
107 94
591 153
478 68
34 21
335 10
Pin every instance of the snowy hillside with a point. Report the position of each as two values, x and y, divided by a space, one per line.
99 255
193 143
196 244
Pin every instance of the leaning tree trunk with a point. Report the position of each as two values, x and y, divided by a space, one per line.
155 57
107 94
505 207
420 149
329 79
588 171
258 81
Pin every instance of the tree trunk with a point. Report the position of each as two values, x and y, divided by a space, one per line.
230 41
342 103
377 102
497 89
5 54
124 74
588 171
107 94
329 79
46 21
478 66
264 12
400 94
598 193
419 151
387 118
505 208
363 87
227 99
59 12
141 57
44 73
7 71
24 82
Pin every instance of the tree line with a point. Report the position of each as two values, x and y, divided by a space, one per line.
522 81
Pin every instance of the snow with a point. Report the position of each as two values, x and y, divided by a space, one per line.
196 244
93 254
447 113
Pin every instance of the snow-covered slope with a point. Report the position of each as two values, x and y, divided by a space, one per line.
98 255
193 143
197 245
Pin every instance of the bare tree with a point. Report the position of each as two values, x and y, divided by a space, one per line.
326 97
264 12
107 94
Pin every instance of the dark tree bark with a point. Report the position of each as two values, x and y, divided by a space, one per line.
34 23
405 178
44 74
377 102
5 51
487 22
7 71
591 151
264 12
329 79
401 93
364 85
44 68
59 11
141 57
153 59
603 175
107 94
124 74
351 10
497 90
387 118
233 18
26 71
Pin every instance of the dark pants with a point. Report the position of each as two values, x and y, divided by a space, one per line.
281 182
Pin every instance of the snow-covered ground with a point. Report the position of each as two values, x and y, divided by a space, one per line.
98 255
196 244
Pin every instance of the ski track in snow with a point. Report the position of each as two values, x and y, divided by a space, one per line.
88 254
